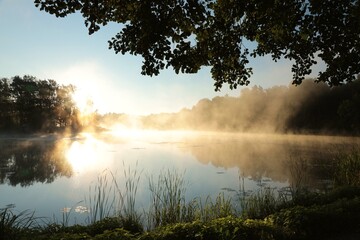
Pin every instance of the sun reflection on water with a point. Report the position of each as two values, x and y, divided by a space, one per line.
86 154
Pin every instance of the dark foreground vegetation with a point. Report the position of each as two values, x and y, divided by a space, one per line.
304 214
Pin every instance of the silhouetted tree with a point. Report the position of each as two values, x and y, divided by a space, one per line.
6 105
47 101
349 108
189 34
65 108
30 104
24 92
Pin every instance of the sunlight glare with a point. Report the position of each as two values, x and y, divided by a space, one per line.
83 101
90 80
86 155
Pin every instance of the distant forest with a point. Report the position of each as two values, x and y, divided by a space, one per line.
308 108
31 105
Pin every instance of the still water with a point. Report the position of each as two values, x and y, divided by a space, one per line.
52 174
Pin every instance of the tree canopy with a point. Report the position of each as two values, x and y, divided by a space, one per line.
188 34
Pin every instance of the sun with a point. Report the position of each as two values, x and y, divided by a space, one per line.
83 101
90 82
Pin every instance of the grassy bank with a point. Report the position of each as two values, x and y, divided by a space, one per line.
265 214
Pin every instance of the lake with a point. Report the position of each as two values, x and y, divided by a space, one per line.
51 174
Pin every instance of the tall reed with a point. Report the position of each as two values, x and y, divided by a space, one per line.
102 198
167 199
14 224
261 202
222 207
127 210
66 213
169 205
347 168
299 174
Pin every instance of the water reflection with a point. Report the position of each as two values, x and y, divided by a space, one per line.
258 157
270 157
28 161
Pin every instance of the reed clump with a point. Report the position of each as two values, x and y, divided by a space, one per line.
347 168
111 197
13 224
168 204
103 198
108 198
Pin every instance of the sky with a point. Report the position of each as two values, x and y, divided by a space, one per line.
33 42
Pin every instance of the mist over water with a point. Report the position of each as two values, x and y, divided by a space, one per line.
311 108
56 172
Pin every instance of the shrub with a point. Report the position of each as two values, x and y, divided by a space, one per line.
115 234
339 217
218 229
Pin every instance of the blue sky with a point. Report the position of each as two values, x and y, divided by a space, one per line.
39 44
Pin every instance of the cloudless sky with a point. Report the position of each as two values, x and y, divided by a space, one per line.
33 42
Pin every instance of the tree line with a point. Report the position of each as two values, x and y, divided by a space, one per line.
307 108
28 104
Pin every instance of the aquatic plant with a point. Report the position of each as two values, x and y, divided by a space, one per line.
169 205
127 212
66 213
347 168
261 202
12 224
167 199
102 198
221 207
107 198
299 169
